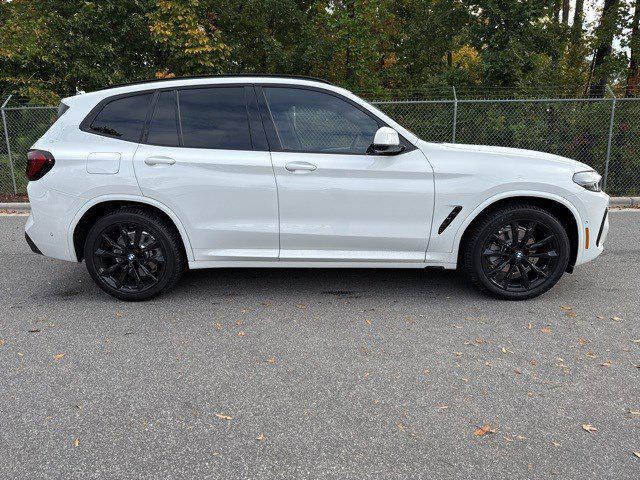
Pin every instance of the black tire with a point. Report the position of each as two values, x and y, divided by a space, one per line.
134 254
516 267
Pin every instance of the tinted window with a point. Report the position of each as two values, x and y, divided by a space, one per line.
163 128
312 121
214 118
123 118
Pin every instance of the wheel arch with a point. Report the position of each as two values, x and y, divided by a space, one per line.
558 206
99 206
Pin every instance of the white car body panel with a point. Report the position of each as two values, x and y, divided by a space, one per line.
244 208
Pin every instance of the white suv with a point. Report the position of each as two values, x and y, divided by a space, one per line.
144 180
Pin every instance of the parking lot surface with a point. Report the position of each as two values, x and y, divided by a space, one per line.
332 374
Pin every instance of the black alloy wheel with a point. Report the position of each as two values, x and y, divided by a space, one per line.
129 258
134 254
517 252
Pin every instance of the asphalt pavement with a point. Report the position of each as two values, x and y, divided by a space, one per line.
328 374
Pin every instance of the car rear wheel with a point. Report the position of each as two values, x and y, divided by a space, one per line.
516 252
134 254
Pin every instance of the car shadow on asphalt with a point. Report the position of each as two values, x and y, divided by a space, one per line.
345 283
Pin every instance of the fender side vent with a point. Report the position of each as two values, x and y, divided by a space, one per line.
454 213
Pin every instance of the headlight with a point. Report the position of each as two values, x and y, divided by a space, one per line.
589 180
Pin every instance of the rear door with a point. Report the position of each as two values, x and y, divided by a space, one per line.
205 156
338 201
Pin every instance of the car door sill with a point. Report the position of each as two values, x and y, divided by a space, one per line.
308 264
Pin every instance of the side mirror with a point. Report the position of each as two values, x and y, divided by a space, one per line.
386 142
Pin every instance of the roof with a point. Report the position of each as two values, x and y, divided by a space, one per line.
234 75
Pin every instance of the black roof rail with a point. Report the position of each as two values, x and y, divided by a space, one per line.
231 75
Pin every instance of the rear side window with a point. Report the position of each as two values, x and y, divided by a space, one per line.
122 118
163 128
214 118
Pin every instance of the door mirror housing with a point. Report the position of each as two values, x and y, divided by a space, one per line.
386 142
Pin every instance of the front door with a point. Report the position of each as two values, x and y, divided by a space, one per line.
204 159
337 201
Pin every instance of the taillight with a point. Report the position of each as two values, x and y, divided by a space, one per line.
39 162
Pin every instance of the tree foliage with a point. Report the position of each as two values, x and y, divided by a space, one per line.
56 47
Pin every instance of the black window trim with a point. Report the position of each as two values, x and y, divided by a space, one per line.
156 98
272 134
269 130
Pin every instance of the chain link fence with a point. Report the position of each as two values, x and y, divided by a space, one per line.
601 132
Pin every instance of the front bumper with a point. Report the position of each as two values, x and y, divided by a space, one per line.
596 220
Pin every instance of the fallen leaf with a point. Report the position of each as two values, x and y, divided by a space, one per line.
399 425
301 306
483 430
119 314
582 342
58 356
366 375
458 354
218 326
545 330
571 314
426 371
442 407
367 321
376 401
505 350
260 437
271 360
637 454
1 342
634 412
530 325
607 363
267 304
556 444
599 317
76 442
590 355
616 319
238 322
241 334
566 307
518 371
222 416
589 428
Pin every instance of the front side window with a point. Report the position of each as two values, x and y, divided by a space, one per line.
316 122
214 118
122 118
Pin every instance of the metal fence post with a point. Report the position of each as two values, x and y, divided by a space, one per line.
455 115
6 138
611 120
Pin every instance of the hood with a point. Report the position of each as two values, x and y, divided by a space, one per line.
533 155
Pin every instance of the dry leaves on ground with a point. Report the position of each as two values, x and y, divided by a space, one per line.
271 360
587 427
483 430
260 437
76 442
637 454
222 416
58 356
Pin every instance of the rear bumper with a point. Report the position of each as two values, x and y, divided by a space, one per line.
32 245
48 224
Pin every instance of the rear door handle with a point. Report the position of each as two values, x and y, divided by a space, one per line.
151 161
300 167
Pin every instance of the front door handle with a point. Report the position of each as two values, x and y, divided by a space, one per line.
151 161
300 167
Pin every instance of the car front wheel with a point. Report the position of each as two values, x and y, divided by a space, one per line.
134 254
516 252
